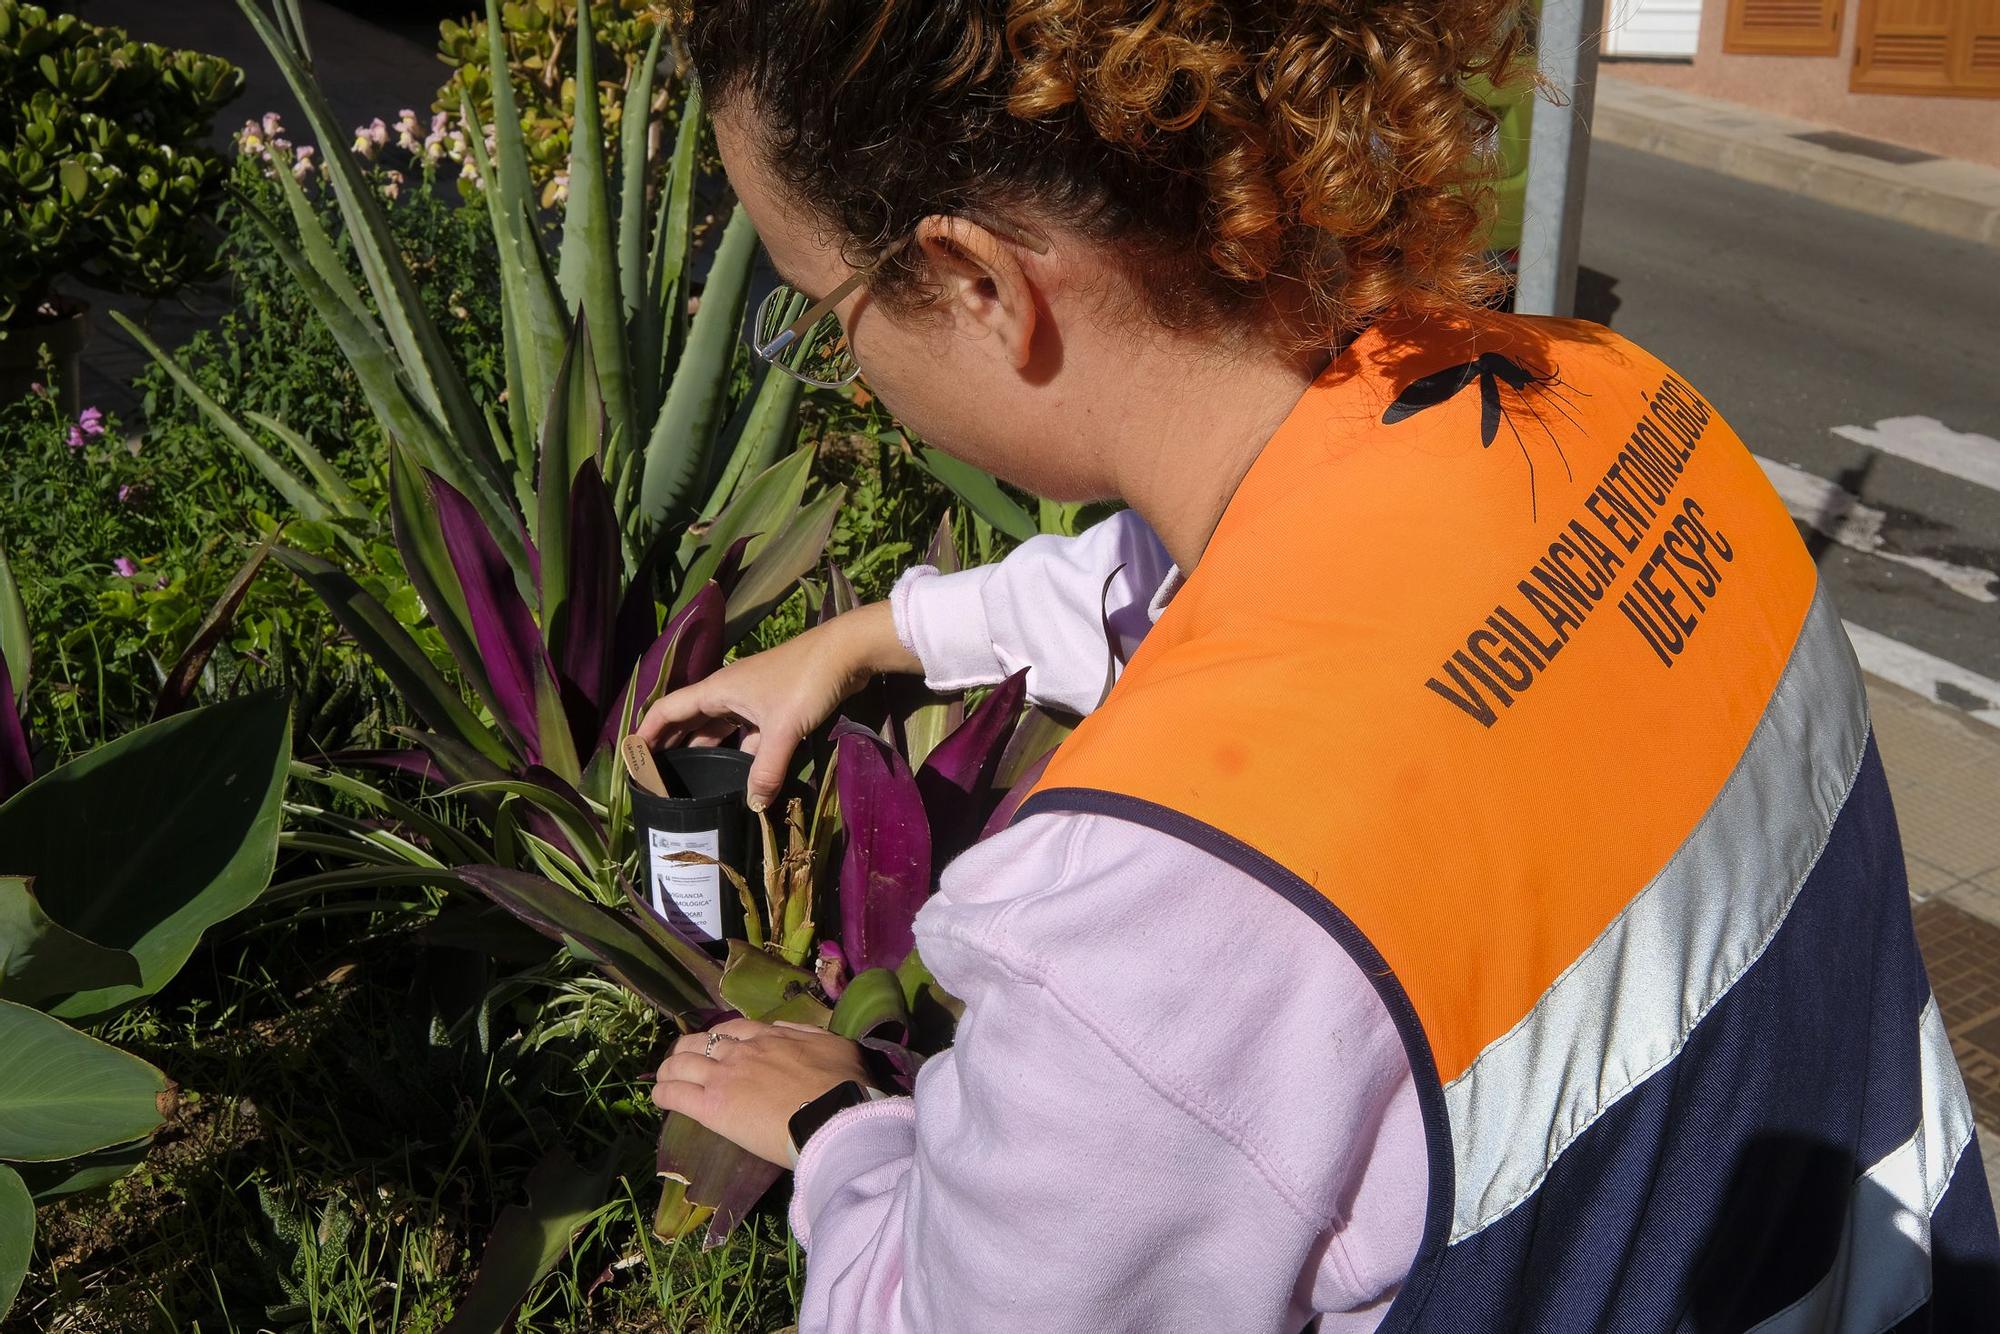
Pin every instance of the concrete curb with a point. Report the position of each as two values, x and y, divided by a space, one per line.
1750 146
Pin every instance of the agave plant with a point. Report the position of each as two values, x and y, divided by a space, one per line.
541 537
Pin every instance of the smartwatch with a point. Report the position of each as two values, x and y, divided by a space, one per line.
816 1112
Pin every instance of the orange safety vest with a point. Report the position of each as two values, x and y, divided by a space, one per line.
1506 664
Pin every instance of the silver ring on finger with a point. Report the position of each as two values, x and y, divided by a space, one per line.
708 1047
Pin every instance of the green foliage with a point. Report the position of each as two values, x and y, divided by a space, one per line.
111 868
104 173
539 37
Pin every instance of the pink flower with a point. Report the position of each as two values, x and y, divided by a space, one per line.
392 183
124 566
302 164
408 132
76 437
92 422
273 127
125 493
369 138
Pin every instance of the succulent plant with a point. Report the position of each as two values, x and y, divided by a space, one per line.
105 174
540 40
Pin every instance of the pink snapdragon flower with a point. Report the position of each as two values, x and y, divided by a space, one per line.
369 138
88 427
407 132
302 163
124 566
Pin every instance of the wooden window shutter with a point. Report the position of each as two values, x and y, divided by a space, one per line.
1947 47
1783 27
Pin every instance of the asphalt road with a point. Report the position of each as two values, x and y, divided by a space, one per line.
1795 318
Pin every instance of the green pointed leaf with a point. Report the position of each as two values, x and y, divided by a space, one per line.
529 1239
633 125
573 426
17 1234
978 489
297 493
181 678
426 364
660 328
678 449
790 552
70 1176
534 324
426 692
770 427
39 959
330 481
16 644
63 1094
147 841
587 272
765 506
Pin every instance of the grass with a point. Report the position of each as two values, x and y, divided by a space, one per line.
358 1104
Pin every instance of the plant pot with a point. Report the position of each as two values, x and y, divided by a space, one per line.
706 815
21 356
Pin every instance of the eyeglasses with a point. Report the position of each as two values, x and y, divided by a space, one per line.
804 338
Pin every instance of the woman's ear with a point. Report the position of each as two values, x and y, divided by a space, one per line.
985 291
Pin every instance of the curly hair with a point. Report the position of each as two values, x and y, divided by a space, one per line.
1325 149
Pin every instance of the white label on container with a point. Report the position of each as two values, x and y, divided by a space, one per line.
688 894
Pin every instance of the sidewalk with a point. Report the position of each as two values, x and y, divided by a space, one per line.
1959 199
1944 769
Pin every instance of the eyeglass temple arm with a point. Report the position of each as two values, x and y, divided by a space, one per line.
819 309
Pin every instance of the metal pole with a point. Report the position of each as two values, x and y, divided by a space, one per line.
1559 158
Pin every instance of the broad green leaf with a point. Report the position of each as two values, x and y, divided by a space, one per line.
979 490
147 841
708 1179
587 272
63 1094
529 1239
874 998
70 1176
765 987
39 959
427 693
17 1235
677 451
792 551
770 425
766 505
297 493
16 644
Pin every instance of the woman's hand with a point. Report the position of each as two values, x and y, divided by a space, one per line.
780 695
756 1076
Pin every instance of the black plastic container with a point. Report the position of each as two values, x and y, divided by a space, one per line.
707 814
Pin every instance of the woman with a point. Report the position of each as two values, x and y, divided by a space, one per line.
1477 904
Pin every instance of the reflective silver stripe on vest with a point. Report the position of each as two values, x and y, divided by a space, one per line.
1883 1271
1623 1009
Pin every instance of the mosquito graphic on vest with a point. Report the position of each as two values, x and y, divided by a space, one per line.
1493 370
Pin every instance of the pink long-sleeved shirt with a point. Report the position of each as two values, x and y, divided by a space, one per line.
1174 1102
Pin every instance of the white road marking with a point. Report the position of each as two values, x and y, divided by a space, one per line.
1928 441
1840 515
1935 679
